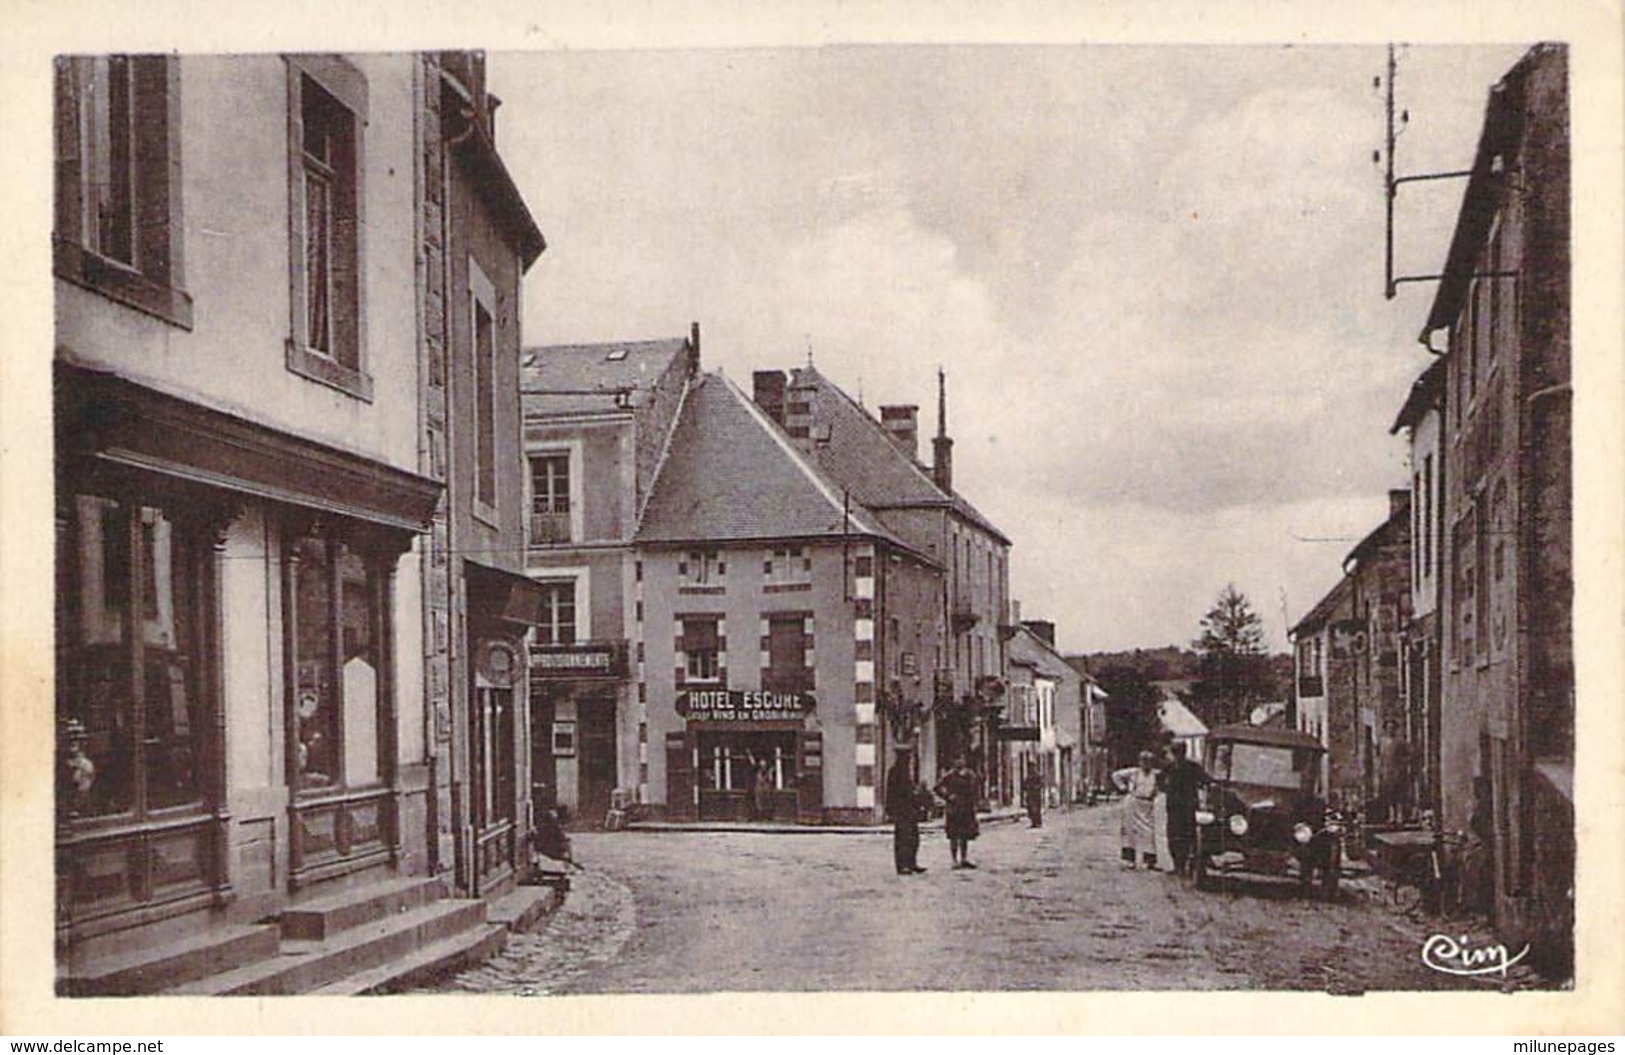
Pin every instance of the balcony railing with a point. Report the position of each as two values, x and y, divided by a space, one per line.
549 528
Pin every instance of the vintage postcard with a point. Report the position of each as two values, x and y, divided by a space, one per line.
530 520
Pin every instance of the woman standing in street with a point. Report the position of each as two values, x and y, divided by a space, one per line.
1139 787
958 788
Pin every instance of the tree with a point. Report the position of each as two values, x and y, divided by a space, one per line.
1131 712
1233 672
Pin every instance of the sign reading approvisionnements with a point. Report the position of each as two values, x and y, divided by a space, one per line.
589 659
738 705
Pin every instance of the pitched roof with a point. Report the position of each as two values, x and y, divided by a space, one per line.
1427 393
862 456
1028 647
1318 616
594 378
731 475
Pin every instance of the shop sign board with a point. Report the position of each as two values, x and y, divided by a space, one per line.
585 659
744 705
1018 732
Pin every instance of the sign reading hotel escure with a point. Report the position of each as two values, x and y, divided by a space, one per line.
736 705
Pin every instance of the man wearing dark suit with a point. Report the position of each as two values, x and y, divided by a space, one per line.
903 803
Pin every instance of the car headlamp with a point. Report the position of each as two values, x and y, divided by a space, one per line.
1204 816
1238 824
1302 832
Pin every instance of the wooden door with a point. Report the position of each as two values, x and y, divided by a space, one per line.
810 776
680 803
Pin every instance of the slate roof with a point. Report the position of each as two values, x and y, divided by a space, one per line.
861 455
561 379
732 475
1318 616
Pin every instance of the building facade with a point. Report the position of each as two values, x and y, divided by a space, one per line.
770 610
1378 571
963 678
237 460
1507 728
476 239
598 421
1046 696
1422 418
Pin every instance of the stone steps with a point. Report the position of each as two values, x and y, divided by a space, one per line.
174 964
305 965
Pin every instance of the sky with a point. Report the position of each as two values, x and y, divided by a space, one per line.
1153 276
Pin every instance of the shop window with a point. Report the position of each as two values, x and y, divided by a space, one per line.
326 105
558 625
702 649
335 605
131 619
550 502
117 223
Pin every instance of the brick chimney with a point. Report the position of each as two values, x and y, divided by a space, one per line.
1399 504
902 423
767 388
942 448
694 349
1043 629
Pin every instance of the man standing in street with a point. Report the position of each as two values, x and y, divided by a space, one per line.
1181 782
903 803
1032 795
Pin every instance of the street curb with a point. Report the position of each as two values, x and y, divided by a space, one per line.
879 828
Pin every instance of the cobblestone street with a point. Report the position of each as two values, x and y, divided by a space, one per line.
1052 908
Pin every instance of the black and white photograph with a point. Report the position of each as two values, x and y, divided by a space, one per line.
678 510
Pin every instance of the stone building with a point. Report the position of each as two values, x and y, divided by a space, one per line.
246 754
1046 698
877 463
476 239
770 609
1507 713
598 421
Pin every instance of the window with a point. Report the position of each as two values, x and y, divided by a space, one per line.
550 507
702 568
132 624
702 648
558 626
326 112
335 605
787 655
1427 515
791 564
482 299
117 221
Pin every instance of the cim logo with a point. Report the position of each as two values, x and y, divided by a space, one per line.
1456 956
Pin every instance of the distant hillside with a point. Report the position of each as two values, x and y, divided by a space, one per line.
1169 663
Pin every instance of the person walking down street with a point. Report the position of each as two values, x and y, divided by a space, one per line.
905 803
1139 787
958 788
1181 781
1032 796
763 791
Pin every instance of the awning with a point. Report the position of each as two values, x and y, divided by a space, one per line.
112 421
498 594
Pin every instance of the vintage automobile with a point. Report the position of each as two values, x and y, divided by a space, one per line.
1262 812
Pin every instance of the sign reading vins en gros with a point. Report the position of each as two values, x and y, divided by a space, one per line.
738 705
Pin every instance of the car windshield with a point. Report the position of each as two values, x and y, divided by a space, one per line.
1271 767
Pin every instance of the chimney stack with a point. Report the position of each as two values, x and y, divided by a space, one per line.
902 424
694 349
942 448
768 390
1399 504
1043 629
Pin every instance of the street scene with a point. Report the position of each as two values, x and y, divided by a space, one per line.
1047 909
838 518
